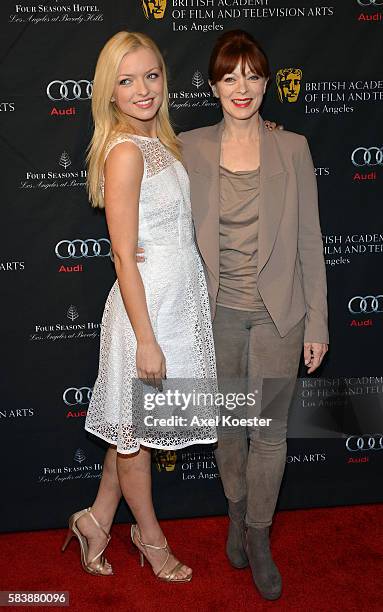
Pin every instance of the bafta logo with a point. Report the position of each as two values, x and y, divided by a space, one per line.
165 460
154 9
289 84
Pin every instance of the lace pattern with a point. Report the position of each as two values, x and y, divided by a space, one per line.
156 158
178 307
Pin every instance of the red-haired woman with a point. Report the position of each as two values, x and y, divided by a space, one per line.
254 201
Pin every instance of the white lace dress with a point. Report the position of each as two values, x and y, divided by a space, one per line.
178 306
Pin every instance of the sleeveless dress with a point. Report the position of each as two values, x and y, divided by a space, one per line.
178 306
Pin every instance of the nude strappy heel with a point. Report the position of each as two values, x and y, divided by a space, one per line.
170 576
74 531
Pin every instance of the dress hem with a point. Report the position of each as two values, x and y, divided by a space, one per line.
150 445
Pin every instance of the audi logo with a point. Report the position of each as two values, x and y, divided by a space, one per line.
73 396
364 443
367 157
369 3
75 249
70 90
367 304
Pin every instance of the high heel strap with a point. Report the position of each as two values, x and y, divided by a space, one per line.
74 531
135 529
108 536
98 524
169 576
98 555
164 563
74 517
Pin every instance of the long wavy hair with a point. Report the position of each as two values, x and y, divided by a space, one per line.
107 117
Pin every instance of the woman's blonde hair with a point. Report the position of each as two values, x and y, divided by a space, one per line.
108 119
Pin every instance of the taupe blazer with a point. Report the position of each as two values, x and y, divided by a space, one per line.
291 273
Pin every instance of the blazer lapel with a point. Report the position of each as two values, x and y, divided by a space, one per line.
206 204
205 197
272 194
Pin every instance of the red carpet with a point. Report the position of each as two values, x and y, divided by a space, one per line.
330 559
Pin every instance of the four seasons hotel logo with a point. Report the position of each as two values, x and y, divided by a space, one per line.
154 9
289 84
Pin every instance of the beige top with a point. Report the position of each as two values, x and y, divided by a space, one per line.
290 251
238 240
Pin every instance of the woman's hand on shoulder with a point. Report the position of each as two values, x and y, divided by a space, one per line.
313 353
271 125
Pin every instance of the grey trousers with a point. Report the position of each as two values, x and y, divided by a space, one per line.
252 356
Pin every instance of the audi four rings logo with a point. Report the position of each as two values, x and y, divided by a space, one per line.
77 396
367 157
75 249
70 90
366 304
366 442
370 2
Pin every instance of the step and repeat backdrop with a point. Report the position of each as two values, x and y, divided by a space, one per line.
55 266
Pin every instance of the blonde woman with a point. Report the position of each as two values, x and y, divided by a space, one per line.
156 323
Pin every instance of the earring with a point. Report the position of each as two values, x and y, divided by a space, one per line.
112 99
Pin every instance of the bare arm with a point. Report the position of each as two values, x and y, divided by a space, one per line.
123 174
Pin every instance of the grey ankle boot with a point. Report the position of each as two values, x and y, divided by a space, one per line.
236 537
265 573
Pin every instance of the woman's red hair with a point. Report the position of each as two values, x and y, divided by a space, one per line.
233 47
